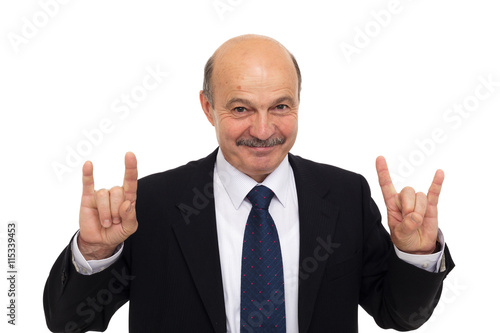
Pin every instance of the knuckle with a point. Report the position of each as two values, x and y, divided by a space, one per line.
116 190
102 193
408 189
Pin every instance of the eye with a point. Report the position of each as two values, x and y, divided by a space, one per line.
281 107
239 109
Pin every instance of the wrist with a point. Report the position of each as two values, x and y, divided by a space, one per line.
436 249
94 251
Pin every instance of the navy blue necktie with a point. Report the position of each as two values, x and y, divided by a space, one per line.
262 284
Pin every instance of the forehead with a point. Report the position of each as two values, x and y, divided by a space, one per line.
261 69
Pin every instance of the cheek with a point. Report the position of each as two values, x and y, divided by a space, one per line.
289 126
231 130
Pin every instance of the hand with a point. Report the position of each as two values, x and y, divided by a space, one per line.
107 217
412 217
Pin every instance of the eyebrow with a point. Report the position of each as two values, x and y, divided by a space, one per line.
238 100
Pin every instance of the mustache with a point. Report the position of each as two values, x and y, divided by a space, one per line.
255 142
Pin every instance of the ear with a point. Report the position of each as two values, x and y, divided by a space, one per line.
205 105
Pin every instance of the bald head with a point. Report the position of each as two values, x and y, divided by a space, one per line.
252 50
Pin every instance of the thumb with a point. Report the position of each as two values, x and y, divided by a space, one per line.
129 219
411 223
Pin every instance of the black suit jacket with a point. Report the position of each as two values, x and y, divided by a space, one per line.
170 268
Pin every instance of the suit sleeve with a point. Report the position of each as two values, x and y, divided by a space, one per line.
395 293
79 303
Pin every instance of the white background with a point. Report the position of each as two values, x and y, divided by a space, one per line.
396 90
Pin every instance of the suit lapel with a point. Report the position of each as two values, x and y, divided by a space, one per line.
317 226
196 232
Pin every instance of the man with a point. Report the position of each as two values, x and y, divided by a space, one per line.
185 267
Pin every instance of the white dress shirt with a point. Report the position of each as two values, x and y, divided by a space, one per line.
232 209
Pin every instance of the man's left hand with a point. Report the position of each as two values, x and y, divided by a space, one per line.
412 217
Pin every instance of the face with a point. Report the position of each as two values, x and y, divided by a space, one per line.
255 108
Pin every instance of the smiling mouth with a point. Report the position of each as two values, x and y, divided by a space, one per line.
258 143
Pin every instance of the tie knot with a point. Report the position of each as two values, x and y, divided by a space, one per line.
260 196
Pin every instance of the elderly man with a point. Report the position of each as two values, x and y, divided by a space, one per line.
250 238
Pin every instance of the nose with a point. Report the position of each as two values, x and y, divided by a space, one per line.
262 126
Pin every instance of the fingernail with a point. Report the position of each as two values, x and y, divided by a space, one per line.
116 220
106 223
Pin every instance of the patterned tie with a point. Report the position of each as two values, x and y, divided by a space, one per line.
262 285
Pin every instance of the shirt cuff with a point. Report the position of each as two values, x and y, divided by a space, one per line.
433 263
90 267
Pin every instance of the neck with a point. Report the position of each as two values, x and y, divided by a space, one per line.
258 178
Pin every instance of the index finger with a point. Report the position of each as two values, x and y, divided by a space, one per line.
384 178
88 178
130 178
435 188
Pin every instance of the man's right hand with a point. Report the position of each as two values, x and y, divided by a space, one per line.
107 217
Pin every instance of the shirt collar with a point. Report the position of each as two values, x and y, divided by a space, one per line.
237 184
